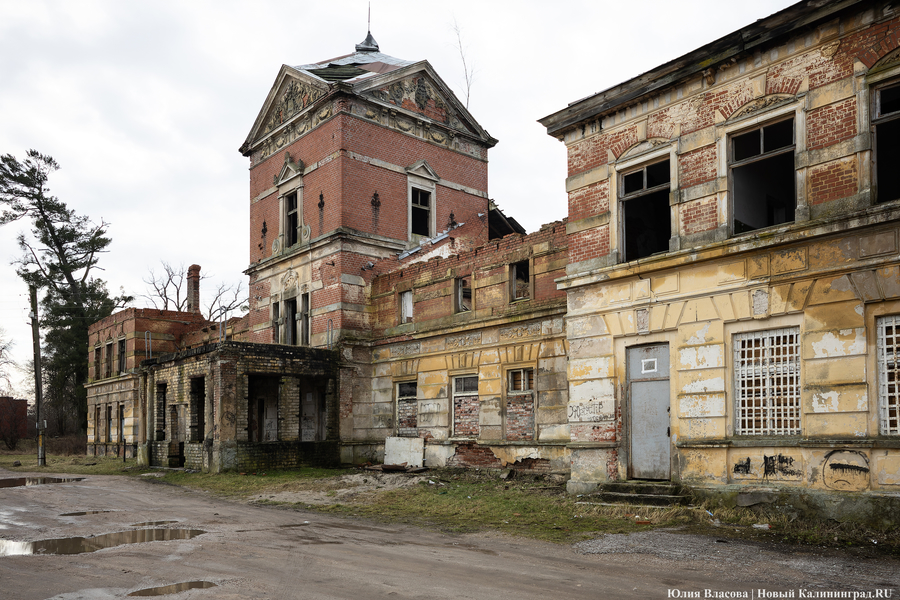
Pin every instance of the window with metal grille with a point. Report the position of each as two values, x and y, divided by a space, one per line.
767 382
407 409
889 374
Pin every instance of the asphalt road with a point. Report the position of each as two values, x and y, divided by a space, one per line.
252 552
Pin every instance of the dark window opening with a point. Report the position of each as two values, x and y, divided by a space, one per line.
421 212
121 435
646 217
304 320
98 359
762 171
521 280
290 325
109 423
262 408
463 294
887 148
109 360
121 356
293 219
198 409
160 412
276 323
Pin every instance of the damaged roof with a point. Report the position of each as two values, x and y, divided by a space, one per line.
366 62
796 17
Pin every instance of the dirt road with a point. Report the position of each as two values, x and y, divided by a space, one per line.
266 553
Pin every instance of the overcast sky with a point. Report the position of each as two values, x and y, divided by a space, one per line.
144 104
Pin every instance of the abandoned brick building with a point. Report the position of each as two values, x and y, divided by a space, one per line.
732 284
720 308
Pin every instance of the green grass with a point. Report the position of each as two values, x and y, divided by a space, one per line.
245 485
73 465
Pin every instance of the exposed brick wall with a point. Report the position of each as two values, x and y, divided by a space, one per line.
832 181
589 201
407 418
520 417
593 151
465 416
831 124
589 244
699 215
698 166
473 455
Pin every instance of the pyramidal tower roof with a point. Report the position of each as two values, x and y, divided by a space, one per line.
366 62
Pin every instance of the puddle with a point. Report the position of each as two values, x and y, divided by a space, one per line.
30 481
81 545
152 523
174 588
84 512
294 525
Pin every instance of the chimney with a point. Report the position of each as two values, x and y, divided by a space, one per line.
193 289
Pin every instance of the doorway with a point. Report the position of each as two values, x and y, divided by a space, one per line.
649 451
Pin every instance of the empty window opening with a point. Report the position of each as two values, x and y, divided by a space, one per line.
109 423
292 220
762 171
646 220
262 408
887 148
198 409
121 356
109 360
463 294
312 412
889 374
121 431
98 360
276 323
521 280
407 409
290 322
466 406
767 382
160 412
421 212
97 435
304 320
406 307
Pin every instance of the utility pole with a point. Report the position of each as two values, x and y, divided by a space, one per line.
36 335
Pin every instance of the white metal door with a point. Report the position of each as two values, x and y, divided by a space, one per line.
648 394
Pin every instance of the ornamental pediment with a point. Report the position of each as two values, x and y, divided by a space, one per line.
420 94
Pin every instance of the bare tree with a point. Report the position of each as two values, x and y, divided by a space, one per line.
167 290
468 71
6 362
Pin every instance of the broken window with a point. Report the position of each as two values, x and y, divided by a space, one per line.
407 409
121 356
292 220
463 294
767 382
465 406
762 176
109 360
521 380
520 279
646 218
420 214
98 360
887 150
406 307
889 374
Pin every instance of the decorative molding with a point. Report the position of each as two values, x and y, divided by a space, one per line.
406 349
296 96
760 104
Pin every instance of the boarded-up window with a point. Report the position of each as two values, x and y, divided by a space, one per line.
767 382
889 375
465 406
407 409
